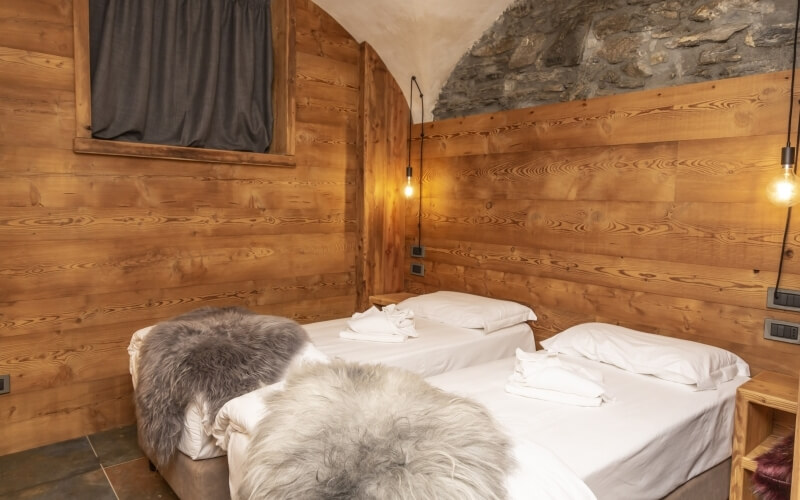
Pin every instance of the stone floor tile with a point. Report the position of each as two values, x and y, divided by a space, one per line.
46 464
135 481
91 485
116 446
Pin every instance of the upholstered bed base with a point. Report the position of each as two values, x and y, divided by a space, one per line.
198 479
208 480
713 484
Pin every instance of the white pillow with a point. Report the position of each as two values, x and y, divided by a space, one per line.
672 359
468 311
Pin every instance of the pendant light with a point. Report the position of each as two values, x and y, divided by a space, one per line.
784 189
408 191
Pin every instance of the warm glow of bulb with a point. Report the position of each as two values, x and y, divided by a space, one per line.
783 189
409 189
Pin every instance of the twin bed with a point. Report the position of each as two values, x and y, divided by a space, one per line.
659 437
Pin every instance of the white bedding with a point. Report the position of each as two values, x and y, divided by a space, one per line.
437 349
553 480
654 436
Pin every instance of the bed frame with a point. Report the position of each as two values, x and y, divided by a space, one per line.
208 480
197 479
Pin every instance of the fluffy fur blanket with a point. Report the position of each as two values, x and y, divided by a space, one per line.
209 355
773 477
354 431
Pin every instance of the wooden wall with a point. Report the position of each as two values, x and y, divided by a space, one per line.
383 136
645 209
94 247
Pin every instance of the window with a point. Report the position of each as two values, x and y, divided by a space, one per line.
282 148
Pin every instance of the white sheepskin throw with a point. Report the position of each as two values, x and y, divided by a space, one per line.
350 431
210 355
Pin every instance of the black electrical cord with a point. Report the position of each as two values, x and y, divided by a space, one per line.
788 149
794 65
410 123
421 139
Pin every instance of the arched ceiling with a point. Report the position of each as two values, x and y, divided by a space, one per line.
424 38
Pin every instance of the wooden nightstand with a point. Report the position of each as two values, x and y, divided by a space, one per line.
766 411
389 298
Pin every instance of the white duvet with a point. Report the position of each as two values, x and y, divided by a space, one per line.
654 436
539 470
438 348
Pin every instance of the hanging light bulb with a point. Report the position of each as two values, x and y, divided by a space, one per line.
783 189
409 189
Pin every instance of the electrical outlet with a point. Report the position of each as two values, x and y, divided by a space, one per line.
417 251
5 384
784 331
418 268
788 300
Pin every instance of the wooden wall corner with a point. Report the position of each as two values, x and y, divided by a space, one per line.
382 135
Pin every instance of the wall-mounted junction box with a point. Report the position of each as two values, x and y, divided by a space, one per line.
5 384
784 331
418 268
788 300
417 251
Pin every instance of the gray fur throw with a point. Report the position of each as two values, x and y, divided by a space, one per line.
350 431
210 355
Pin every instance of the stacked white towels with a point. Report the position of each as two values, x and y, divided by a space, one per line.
389 324
543 375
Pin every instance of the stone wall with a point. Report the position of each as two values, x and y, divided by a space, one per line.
544 51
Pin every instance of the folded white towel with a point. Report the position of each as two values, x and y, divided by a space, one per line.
388 320
388 325
544 375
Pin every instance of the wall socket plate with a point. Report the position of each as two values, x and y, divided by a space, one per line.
788 300
418 268
5 384
784 331
417 251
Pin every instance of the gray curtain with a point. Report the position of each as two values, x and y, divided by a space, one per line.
182 72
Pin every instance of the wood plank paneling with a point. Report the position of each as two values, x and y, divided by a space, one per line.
723 108
67 191
35 70
24 112
47 415
645 209
313 68
37 271
628 172
135 309
93 247
382 134
700 232
47 224
35 162
321 36
37 35
736 286
564 303
37 11
727 170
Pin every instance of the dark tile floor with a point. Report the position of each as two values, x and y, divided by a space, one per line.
104 466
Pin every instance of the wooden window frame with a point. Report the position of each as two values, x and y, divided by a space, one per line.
283 100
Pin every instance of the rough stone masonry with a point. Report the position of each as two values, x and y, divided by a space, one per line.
545 51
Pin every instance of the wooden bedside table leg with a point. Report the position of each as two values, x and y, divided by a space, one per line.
795 495
739 490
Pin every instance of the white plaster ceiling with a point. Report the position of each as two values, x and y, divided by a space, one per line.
423 38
